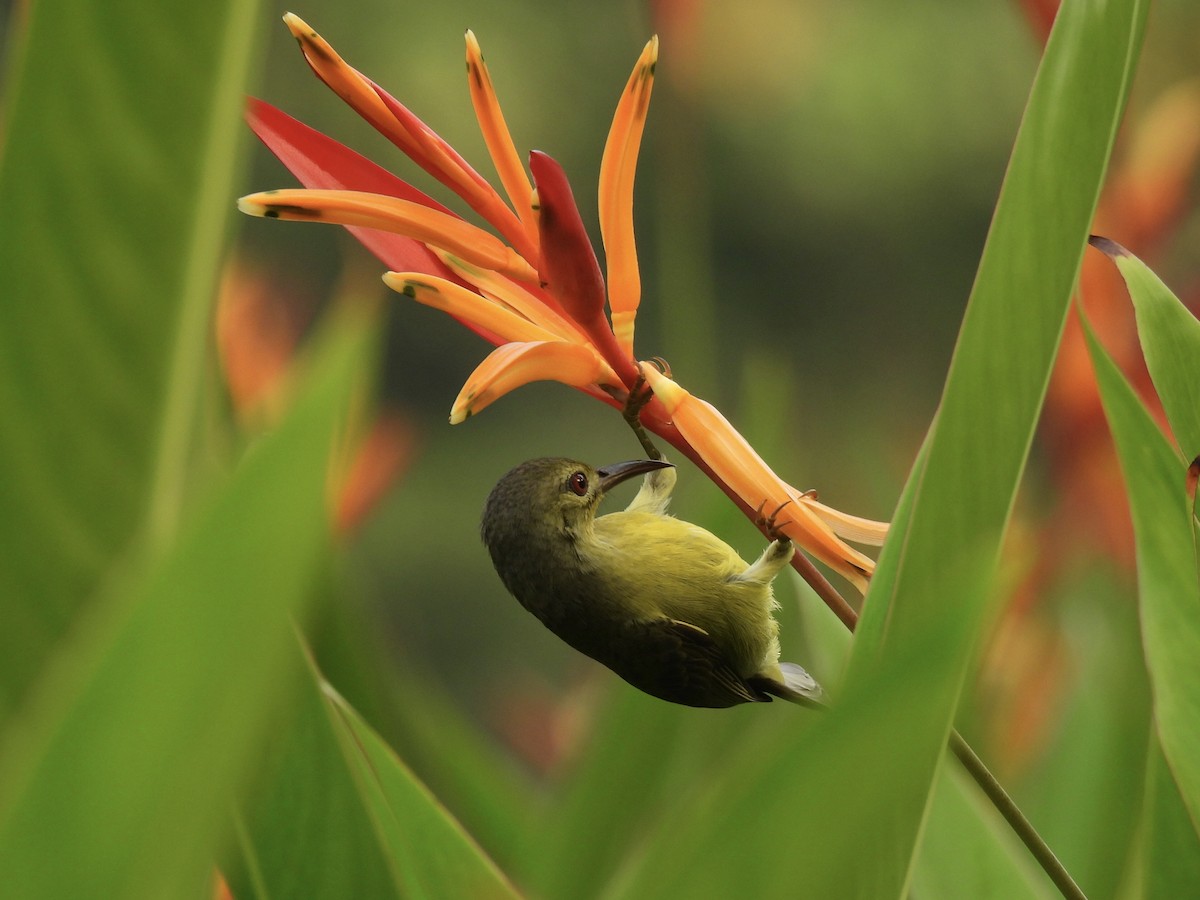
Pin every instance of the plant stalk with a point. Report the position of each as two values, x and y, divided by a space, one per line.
1016 819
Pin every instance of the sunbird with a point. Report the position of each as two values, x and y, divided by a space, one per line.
661 602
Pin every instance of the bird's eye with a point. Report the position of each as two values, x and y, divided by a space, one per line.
578 483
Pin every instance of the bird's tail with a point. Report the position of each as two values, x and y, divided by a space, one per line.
797 686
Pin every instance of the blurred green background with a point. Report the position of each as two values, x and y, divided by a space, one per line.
814 190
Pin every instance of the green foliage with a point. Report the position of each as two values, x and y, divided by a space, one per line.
1170 338
1170 846
935 576
118 160
431 855
1163 516
968 849
157 720
302 828
150 713
1102 735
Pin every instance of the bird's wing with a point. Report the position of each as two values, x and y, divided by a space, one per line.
683 664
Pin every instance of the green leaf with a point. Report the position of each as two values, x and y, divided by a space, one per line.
1170 846
1170 338
484 787
121 125
303 830
969 850
595 818
1169 592
936 574
118 779
1085 793
980 438
430 854
745 832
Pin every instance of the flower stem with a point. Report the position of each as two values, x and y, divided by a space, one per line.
1016 819
827 592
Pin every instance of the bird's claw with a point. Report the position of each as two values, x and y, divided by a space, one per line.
662 365
639 395
771 524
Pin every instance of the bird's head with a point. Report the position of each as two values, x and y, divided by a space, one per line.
554 494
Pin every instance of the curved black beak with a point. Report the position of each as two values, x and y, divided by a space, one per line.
612 475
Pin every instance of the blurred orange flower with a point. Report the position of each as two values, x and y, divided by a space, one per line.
258 328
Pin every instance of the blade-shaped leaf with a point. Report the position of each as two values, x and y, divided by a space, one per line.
1170 845
1086 793
938 571
1169 593
430 854
743 832
969 851
116 173
596 816
1170 338
306 830
117 780
303 830
483 786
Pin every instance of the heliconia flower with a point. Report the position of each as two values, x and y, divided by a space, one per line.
533 286
541 253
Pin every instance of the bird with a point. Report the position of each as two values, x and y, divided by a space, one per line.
663 603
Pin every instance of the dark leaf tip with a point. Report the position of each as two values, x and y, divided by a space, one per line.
1108 247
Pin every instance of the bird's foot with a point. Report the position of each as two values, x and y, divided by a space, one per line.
771 525
640 395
